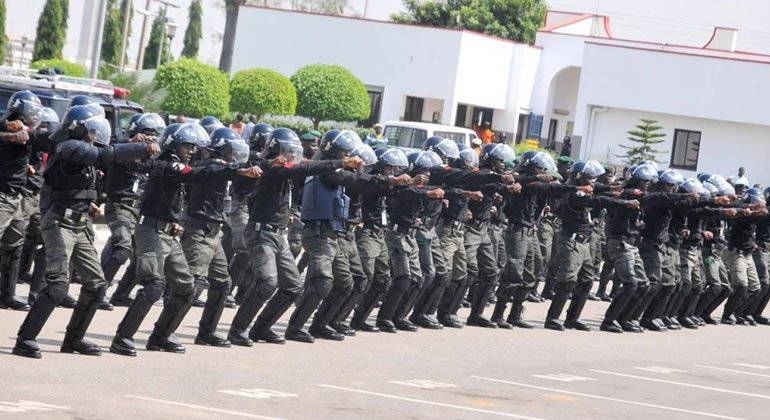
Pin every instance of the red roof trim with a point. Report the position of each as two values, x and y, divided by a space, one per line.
678 52
387 22
607 27
566 22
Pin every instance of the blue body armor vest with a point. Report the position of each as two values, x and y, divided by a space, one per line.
324 202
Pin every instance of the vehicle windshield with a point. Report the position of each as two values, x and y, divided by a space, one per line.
125 115
458 138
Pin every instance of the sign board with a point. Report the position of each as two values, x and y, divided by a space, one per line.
534 126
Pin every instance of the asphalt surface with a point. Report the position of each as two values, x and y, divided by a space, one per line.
714 372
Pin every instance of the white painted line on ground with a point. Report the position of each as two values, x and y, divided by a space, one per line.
685 384
753 366
458 407
257 393
599 397
660 369
24 405
423 383
735 371
563 377
202 407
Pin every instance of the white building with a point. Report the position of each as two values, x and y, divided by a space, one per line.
576 80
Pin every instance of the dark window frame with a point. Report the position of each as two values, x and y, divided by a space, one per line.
682 164
414 109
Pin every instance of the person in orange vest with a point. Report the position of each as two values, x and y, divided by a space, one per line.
487 135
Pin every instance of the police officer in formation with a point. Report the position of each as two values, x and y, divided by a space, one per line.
195 208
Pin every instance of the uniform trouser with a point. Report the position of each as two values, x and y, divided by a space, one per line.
66 242
547 252
598 240
407 276
518 278
122 220
655 257
13 241
762 262
691 282
575 272
349 249
452 243
718 285
33 241
328 277
634 286
434 269
160 263
745 282
375 261
497 236
240 266
482 266
273 268
206 259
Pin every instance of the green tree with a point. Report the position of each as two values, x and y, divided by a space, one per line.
194 89
153 45
65 13
3 36
112 33
644 137
262 91
67 68
328 92
50 34
517 20
194 32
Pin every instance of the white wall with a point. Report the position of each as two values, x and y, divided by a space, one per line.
483 71
401 58
724 145
430 106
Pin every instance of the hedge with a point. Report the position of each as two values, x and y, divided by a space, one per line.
328 92
301 127
261 92
194 89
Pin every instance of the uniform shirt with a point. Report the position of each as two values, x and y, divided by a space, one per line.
71 172
457 209
658 214
207 197
405 205
575 211
763 231
623 221
270 202
372 210
14 158
35 180
244 187
164 193
522 209
742 231
125 180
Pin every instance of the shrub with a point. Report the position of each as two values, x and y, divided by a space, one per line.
194 89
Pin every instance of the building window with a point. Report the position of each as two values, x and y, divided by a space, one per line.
375 104
462 115
685 151
413 111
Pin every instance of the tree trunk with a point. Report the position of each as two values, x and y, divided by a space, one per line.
316 123
228 40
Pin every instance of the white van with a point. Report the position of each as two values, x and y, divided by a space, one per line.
412 135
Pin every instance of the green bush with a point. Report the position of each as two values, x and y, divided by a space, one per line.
301 128
330 93
194 89
68 68
146 93
262 91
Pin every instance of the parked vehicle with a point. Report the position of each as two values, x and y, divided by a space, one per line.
412 135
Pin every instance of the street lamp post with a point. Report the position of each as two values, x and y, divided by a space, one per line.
97 51
170 32
124 36
24 42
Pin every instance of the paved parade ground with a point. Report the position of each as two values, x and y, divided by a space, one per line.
716 372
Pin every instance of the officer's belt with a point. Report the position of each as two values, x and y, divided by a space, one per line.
745 252
162 226
125 201
452 224
199 224
68 214
577 237
6 189
429 223
266 227
629 239
84 195
477 224
374 226
404 229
